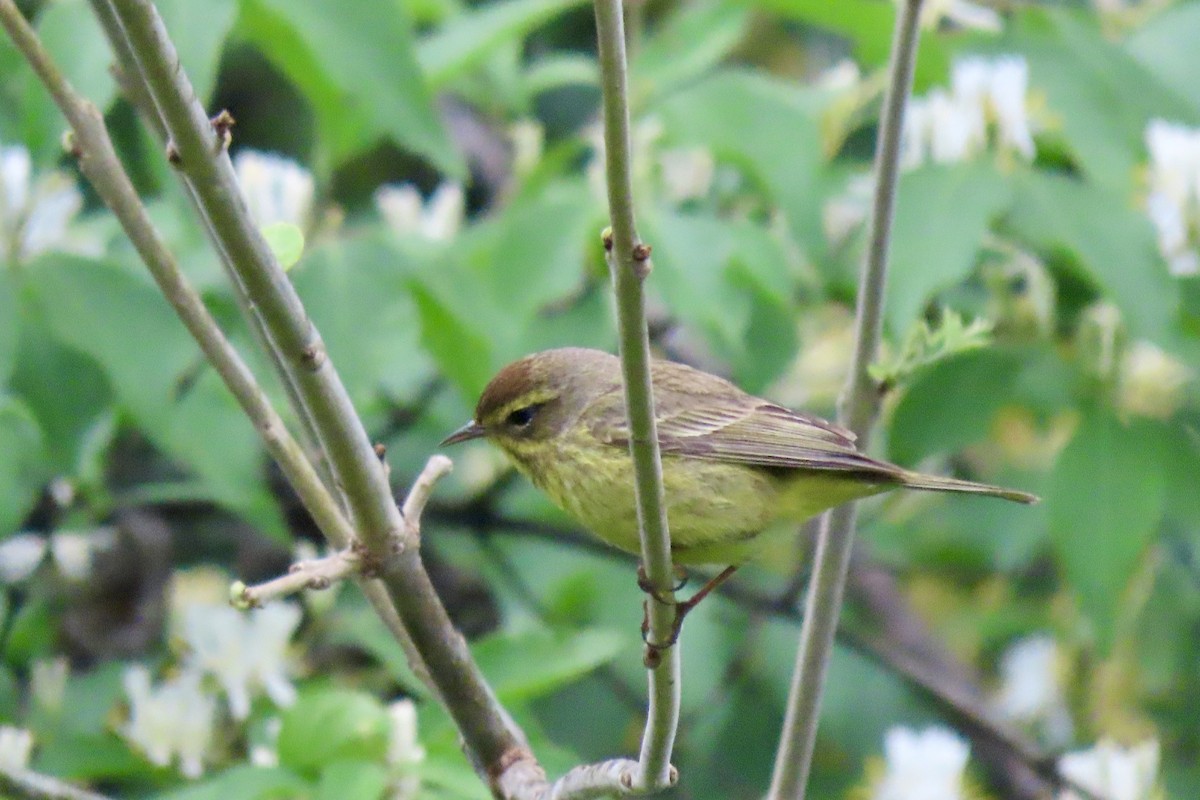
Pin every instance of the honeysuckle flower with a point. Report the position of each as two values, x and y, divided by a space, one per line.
948 127
73 551
1031 689
926 765
686 172
528 138
404 750
171 721
34 214
1173 202
1152 382
15 746
961 13
1113 772
20 555
437 219
48 682
847 211
276 189
244 651
265 753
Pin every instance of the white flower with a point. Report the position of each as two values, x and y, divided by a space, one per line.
174 719
243 651
20 555
1173 202
962 13
276 189
48 682
1031 688
528 139
1007 90
15 747
1152 382
687 173
265 753
845 212
438 219
73 550
1112 772
922 766
404 750
33 216
949 127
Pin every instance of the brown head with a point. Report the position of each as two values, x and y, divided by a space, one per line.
538 396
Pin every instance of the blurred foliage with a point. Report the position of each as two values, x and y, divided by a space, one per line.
1035 336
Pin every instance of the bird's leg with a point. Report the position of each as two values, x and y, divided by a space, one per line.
682 608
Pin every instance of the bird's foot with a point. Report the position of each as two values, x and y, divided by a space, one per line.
682 608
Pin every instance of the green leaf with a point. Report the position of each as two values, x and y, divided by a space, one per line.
10 328
1104 503
951 404
942 215
243 782
868 24
352 780
1165 46
690 42
467 40
533 663
356 292
198 31
355 62
1102 94
67 419
358 625
23 463
157 373
458 326
286 241
725 113
329 725
533 253
1107 241
89 757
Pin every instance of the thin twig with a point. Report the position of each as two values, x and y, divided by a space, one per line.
316 573
857 411
629 262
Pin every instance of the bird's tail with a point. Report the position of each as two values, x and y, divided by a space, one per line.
936 483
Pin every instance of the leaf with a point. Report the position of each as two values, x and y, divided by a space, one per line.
942 216
10 327
23 463
329 725
1108 242
356 64
157 373
465 41
1103 96
243 782
356 291
1164 45
535 662
1104 503
456 337
951 404
198 31
868 25
77 45
725 111
352 780
286 241
691 41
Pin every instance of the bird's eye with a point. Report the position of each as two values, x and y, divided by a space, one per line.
521 417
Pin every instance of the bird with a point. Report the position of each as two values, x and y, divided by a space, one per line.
732 463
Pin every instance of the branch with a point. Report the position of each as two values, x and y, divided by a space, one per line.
857 411
36 786
629 263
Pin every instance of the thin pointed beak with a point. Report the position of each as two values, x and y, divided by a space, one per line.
472 430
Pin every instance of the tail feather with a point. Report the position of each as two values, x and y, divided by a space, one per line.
936 483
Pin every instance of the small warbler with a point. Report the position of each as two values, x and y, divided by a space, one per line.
732 463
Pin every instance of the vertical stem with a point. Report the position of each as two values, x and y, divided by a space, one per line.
630 264
857 410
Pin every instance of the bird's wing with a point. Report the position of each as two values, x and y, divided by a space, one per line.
745 430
